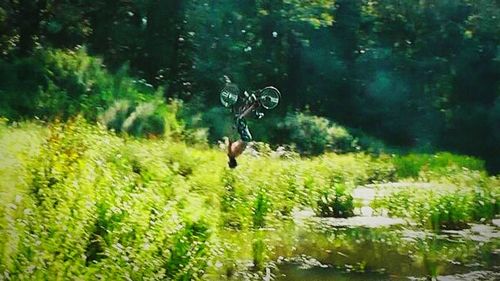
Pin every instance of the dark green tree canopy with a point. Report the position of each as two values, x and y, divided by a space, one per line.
417 74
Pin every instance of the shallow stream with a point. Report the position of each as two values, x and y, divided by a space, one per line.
335 249
366 247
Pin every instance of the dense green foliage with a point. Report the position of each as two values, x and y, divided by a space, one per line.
109 117
422 75
56 83
335 202
81 202
315 135
444 208
413 165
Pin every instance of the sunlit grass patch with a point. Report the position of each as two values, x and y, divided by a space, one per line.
412 165
83 202
444 207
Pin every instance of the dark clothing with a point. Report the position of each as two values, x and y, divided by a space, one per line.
242 127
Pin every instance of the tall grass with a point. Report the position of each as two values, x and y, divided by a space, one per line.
335 202
413 165
445 208
80 202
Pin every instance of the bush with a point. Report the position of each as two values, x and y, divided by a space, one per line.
154 118
114 117
485 202
260 209
446 208
313 135
259 252
448 211
188 253
335 202
233 204
219 123
412 165
143 119
88 204
95 208
20 83
371 144
64 83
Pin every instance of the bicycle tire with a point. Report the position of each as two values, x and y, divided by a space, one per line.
269 97
229 95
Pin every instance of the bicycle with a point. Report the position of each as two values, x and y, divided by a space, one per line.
266 98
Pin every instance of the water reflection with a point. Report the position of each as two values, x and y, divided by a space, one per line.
362 248
293 272
363 253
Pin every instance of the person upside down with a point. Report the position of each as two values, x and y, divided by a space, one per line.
235 149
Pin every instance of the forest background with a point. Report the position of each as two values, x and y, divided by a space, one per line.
386 75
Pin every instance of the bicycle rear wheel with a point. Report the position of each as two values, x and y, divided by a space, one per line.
269 97
229 95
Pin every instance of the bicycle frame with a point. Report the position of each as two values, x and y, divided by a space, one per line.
251 103
248 110
243 104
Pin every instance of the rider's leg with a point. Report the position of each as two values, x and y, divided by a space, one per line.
236 148
242 127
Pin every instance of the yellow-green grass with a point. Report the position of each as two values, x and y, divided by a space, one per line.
79 202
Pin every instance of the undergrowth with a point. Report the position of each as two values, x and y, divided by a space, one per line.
80 202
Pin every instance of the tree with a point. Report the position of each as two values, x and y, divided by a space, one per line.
43 22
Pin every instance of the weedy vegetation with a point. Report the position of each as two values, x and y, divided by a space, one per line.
82 202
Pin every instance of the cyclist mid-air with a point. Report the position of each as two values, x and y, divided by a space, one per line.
266 98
